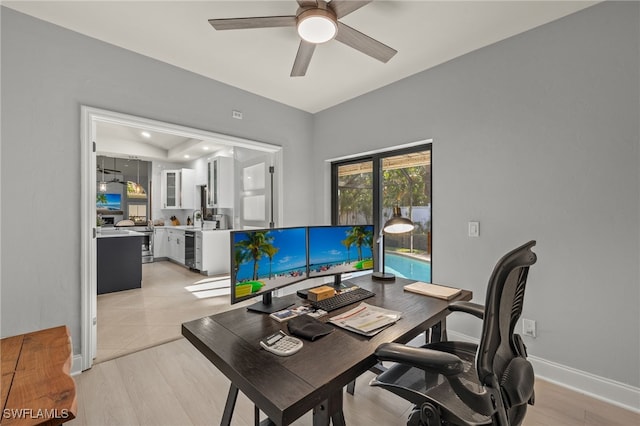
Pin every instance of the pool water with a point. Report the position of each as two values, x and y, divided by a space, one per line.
408 267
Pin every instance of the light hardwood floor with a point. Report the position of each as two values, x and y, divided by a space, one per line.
173 384
131 320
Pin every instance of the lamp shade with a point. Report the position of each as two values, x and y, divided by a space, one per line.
397 224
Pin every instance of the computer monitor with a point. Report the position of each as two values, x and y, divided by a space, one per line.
264 260
335 250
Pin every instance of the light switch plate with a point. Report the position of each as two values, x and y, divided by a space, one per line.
474 229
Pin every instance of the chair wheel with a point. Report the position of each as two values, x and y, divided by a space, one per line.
429 415
414 418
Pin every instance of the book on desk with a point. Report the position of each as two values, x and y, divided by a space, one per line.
433 290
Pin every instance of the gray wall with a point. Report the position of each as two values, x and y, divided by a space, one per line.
47 74
537 138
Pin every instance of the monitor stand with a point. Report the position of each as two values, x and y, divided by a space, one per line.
269 304
338 284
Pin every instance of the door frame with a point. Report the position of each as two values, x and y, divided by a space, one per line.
375 157
89 117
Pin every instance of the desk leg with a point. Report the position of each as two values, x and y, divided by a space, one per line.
229 405
439 332
329 410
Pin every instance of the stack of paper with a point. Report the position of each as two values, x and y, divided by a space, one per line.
366 319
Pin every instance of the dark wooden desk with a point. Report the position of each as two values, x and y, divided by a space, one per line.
285 388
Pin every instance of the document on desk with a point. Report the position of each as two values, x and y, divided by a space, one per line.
366 319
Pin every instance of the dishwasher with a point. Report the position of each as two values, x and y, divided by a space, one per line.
190 249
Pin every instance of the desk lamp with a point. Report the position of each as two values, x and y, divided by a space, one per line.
395 225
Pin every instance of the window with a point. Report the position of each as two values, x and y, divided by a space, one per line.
365 190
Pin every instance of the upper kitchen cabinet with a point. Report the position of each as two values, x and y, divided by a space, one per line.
220 183
178 189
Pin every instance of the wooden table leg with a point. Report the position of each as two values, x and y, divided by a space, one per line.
329 410
229 405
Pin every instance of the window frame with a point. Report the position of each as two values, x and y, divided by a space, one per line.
376 159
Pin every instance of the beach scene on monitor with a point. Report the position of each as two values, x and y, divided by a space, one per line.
268 259
336 250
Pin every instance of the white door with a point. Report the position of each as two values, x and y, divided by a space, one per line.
255 177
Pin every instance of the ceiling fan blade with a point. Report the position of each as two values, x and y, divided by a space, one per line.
307 3
345 7
364 43
257 22
300 65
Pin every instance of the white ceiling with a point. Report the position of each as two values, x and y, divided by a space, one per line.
118 140
425 33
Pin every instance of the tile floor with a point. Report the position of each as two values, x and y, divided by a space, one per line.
131 320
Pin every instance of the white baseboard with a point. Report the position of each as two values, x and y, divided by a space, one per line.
610 391
76 366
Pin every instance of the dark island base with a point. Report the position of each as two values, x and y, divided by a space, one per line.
119 264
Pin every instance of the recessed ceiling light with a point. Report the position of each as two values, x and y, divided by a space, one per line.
186 156
146 134
206 148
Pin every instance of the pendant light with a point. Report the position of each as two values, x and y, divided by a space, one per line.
103 185
139 187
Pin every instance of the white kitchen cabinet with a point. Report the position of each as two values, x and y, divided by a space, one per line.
176 245
178 190
214 252
220 183
160 243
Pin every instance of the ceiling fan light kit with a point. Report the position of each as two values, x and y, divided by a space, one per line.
316 21
317 25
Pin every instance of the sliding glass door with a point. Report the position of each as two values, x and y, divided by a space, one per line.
366 190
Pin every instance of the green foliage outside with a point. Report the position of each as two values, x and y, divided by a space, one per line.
406 187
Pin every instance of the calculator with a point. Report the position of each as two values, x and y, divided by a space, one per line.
281 344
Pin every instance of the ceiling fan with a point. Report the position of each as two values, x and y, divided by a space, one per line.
317 21
106 171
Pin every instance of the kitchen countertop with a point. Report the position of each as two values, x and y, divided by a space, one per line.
111 233
190 228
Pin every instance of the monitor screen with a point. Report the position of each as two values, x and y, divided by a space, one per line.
263 260
109 201
335 250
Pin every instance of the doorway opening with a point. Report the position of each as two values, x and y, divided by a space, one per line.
192 140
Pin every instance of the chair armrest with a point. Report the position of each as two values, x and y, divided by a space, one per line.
474 309
426 359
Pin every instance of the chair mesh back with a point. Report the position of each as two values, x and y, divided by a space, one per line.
503 307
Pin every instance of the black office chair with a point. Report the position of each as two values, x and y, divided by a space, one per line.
441 379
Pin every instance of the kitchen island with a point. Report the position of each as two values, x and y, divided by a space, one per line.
119 260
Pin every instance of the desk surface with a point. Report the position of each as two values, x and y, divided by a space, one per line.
285 388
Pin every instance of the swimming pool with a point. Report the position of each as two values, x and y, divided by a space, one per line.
408 267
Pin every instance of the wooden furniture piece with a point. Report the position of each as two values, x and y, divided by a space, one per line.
37 388
285 388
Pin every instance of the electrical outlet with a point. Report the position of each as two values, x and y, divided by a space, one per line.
236 114
528 327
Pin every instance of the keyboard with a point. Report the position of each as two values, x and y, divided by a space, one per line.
343 299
